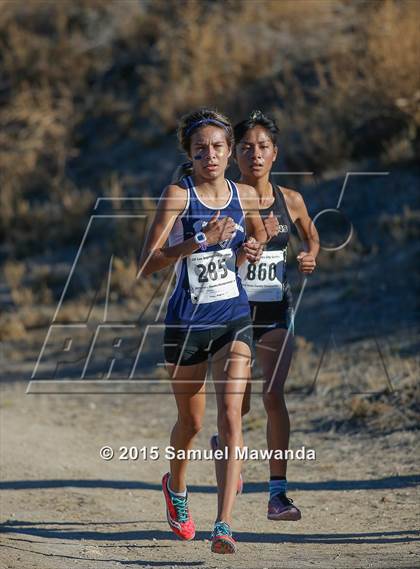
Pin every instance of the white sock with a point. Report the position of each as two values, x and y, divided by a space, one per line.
179 494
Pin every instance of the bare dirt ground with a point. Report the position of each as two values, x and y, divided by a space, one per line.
63 506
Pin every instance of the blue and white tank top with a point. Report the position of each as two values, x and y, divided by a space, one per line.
208 289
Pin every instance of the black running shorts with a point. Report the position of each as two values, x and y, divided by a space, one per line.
190 347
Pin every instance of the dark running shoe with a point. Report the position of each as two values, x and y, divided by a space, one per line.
280 507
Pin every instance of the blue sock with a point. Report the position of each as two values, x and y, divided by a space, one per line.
277 486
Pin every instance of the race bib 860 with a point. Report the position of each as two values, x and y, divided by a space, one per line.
263 281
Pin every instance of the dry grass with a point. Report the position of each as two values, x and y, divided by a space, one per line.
402 227
76 74
352 392
14 272
359 96
11 327
68 64
222 48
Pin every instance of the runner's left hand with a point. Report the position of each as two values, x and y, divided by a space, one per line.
306 263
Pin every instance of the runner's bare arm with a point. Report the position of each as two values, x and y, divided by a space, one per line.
306 229
254 224
304 224
155 256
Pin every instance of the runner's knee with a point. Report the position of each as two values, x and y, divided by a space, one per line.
229 420
190 423
273 401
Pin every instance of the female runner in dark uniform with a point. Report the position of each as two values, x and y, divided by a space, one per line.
269 293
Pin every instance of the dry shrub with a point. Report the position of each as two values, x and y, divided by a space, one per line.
394 46
334 99
77 74
126 287
72 312
386 411
359 407
402 227
11 327
14 271
303 366
129 231
362 408
29 285
212 53
358 95
36 122
23 296
35 316
45 63
123 277
50 223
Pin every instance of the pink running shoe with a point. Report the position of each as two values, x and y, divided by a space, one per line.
282 508
177 512
214 444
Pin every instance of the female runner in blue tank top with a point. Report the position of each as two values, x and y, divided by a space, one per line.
205 219
269 293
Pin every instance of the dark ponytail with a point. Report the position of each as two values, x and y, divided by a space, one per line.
185 169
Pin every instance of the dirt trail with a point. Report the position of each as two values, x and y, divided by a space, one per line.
63 506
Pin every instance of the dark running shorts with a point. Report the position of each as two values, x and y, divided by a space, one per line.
190 347
282 318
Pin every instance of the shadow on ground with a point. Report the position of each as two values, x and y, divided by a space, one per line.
388 482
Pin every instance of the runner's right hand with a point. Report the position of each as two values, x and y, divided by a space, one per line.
219 229
253 250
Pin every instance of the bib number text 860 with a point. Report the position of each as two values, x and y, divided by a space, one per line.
261 271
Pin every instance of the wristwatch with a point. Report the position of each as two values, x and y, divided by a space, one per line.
201 240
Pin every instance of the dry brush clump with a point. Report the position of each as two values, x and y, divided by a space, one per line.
89 85
360 97
403 227
70 64
46 63
218 53
386 410
371 384
345 97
